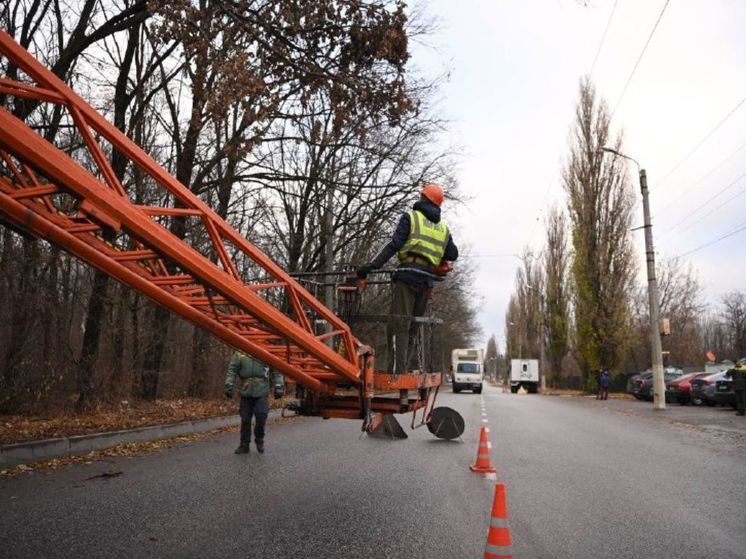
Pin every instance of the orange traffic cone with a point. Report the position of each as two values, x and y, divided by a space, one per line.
483 464
498 537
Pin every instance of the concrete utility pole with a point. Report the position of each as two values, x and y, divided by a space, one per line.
659 389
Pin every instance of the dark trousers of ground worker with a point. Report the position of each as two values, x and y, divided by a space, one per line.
401 332
259 409
740 401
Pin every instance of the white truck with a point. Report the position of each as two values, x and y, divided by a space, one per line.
524 373
467 369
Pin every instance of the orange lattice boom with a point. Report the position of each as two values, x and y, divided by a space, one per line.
80 205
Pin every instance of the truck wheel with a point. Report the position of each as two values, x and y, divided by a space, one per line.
478 390
456 388
514 390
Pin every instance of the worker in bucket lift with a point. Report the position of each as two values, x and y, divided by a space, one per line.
422 243
254 380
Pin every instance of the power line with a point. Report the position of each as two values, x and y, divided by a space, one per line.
702 141
710 199
603 38
639 58
694 149
678 197
740 228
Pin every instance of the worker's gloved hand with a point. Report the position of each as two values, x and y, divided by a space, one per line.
228 393
364 270
279 392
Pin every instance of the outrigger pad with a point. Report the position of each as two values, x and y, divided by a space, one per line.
446 423
388 428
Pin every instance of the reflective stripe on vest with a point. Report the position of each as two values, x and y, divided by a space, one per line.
426 239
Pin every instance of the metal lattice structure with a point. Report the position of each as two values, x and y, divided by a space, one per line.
80 205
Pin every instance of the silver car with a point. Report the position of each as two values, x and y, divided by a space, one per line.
703 388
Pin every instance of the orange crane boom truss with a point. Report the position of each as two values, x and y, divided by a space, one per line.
50 195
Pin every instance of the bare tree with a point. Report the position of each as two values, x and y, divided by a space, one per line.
524 315
734 319
714 333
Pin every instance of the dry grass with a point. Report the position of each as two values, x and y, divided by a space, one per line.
568 392
126 415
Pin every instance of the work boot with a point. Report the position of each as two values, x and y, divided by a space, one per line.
242 449
260 446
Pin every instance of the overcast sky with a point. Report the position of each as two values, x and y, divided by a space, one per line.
515 67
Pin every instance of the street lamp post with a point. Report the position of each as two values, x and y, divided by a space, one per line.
659 396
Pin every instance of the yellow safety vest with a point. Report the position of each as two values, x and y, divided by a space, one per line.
427 241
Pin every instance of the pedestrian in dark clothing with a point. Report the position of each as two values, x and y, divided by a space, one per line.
604 383
254 380
421 241
738 375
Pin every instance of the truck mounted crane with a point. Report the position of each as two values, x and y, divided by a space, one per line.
225 285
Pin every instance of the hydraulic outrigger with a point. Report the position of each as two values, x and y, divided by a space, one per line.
85 210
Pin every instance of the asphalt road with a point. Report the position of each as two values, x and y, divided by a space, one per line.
583 479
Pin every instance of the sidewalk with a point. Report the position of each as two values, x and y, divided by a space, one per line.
35 451
713 419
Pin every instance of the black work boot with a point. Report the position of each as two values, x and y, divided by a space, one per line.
260 446
242 449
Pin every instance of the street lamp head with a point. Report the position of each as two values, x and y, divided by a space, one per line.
619 154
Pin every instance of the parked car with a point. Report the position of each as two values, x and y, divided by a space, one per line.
703 388
631 383
679 389
724 393
642 387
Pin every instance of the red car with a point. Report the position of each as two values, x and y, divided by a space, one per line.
679 389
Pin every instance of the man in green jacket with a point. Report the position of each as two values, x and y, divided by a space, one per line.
253 385
738 376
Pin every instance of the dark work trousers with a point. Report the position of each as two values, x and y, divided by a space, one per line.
406 301
740 401
603 393
258 408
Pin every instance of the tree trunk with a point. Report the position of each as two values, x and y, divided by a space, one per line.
153 353
198 378
91 337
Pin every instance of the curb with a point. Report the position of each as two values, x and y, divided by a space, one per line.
34 451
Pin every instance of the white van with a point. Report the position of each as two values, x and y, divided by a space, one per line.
524 373
467 369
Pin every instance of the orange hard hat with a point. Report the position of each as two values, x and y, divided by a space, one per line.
434 193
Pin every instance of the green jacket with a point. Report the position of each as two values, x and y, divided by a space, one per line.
738 374
253 376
